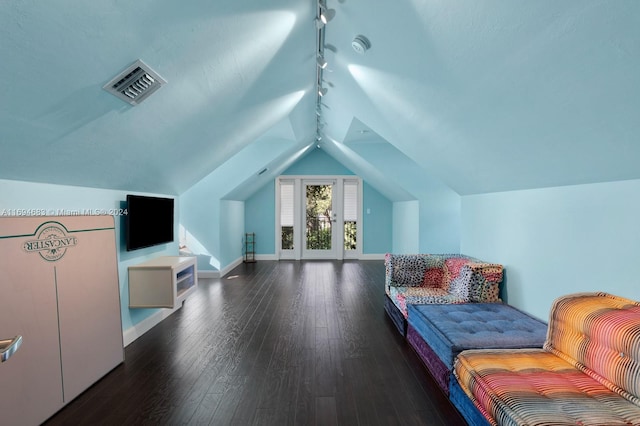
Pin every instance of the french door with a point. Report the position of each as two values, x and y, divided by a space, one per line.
318 217
319 234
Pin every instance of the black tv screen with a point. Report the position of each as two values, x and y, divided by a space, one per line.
149 221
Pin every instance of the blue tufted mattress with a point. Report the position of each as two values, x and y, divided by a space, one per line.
439 333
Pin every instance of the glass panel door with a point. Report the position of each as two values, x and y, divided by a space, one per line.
319 233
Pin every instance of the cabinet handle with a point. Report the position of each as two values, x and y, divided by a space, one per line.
8 347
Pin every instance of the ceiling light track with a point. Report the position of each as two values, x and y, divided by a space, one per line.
323 16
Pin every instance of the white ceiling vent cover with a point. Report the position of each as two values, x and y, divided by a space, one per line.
135 84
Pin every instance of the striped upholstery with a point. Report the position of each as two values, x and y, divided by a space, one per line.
588 372
599 334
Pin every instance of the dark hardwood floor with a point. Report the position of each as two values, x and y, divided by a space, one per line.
273 343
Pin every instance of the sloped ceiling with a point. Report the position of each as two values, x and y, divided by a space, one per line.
485 95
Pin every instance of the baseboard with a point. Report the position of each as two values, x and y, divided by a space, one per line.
224 271
132 333
208 274
266 257
372 256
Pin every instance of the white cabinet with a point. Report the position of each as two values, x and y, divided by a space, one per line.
60 292
163 282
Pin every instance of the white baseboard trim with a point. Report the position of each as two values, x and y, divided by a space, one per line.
263 257
372 256
224 271
208 274
266 257
132 333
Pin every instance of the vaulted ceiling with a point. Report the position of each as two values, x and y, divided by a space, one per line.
483 95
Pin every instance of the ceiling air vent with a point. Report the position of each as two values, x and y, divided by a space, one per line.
135 84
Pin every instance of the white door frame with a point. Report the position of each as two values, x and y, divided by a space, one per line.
299 218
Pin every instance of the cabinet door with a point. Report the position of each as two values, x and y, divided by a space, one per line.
89 301
31 380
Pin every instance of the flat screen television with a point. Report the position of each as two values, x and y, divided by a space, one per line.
149 221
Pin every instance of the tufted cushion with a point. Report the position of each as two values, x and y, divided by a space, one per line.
449 329
535 387
599 334
586 373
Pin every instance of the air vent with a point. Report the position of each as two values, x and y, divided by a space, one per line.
135 84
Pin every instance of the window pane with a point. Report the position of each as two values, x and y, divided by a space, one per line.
286 214
286 204
350 214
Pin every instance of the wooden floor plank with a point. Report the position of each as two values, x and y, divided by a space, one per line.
273 343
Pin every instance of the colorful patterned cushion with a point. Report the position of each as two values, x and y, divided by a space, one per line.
433 278
402 296
408 270
484 282
599 334
588 372
535 387
447 278
453 266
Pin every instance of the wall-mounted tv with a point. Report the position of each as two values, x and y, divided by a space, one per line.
149 221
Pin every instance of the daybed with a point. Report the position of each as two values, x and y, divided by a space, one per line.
587 373
438 333
437 279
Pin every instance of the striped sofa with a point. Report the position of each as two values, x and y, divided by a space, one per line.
587 373
436 279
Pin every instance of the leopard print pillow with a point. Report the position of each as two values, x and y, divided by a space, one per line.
408 270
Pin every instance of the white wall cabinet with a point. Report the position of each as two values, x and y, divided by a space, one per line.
60 292
163 282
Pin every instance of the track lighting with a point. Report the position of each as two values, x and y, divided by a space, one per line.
326 15
321 62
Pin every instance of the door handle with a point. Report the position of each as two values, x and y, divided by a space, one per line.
8 347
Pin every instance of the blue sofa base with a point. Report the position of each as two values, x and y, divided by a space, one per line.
465 406
396 316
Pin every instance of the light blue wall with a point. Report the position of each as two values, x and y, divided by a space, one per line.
377 217
558 240
260 207
27 195
260 218
200 221
406 227
439 205
231 230
213 226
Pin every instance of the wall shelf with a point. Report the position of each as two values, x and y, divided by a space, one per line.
164 282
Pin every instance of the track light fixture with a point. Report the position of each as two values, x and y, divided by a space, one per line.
326 15
321 62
